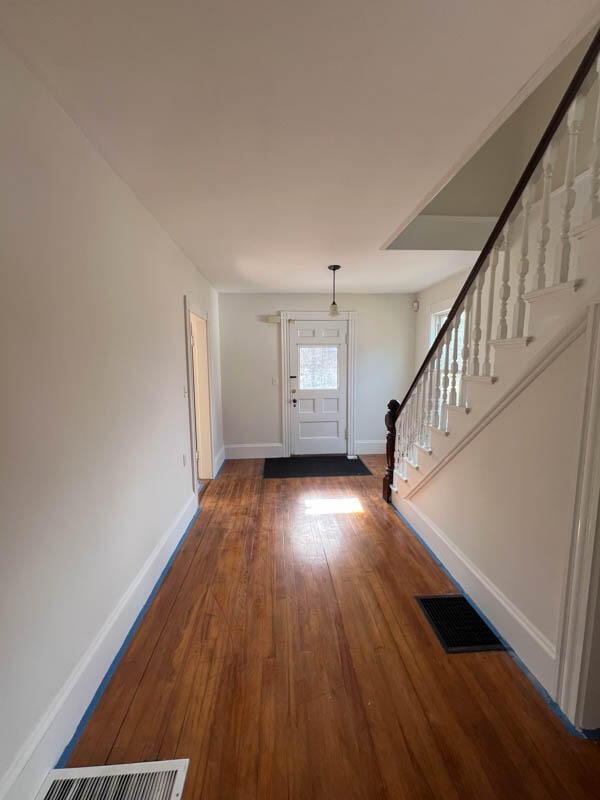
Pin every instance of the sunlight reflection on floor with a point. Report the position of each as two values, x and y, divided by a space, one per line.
333 505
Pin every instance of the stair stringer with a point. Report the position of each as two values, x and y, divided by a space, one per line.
539 362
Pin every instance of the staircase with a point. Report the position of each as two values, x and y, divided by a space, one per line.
531 301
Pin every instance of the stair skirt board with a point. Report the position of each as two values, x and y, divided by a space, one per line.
457 624
509 623
150 780
510 635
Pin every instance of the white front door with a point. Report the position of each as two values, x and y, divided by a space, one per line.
317 383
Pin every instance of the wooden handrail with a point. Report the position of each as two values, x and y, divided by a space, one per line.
533 163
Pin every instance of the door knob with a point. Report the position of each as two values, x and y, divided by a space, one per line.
294 401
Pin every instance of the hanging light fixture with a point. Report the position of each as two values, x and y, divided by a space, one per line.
333 308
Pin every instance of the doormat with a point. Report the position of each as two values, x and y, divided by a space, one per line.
457 624
314 467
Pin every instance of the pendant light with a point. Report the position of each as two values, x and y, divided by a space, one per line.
333 308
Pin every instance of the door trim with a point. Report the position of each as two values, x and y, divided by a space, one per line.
192 308
318 316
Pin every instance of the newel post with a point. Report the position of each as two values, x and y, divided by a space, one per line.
390 446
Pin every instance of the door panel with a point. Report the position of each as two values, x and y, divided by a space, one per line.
199 340
317 384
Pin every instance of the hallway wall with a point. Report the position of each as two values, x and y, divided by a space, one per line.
251 358
94 493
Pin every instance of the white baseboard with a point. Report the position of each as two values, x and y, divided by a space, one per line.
536 651
219 461
256 450
370 447
45 744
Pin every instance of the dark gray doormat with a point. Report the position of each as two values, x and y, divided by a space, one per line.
457 624
314 467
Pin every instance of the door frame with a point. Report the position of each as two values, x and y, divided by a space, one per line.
318 316
192 308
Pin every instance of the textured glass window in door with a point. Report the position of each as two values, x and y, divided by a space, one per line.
318 368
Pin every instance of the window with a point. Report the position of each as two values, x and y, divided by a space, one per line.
318 368
437 320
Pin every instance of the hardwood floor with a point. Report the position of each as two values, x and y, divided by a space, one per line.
285 655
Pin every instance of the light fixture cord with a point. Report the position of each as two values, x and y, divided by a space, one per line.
333 286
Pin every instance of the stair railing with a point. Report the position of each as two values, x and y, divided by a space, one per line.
530 249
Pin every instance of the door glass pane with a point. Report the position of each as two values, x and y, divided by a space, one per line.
318 367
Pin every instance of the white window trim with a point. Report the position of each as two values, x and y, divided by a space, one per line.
441 307
318 316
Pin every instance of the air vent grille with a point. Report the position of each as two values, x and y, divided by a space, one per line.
156 780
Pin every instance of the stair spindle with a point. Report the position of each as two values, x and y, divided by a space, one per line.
431 401
487 368
543 237
454 366
423 407
465 349
574 122
505 282
523 267
438 388
445 380
476 334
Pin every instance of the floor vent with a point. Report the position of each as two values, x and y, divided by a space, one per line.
152 780
457 624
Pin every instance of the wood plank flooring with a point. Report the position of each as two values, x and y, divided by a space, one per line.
285 655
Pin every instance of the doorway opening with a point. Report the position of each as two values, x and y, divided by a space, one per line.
318 383
199 394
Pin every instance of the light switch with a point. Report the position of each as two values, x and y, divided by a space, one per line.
275 381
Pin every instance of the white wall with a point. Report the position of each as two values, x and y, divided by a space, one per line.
251 358
444 294
93 414
499 515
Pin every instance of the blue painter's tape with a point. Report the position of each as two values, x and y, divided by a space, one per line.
62 761
219 470
537 685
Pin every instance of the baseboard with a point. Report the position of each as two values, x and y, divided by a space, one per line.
55 729
219 461
370 447
534 649
260 450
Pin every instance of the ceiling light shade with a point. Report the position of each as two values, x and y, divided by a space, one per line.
333 308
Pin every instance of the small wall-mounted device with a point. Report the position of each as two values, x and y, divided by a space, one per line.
415 306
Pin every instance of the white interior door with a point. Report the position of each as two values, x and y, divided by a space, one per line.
318 386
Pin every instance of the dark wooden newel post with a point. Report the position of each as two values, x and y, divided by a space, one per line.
390 446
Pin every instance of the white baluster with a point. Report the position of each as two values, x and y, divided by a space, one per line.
415 428
487 369
544 231
523 268
445 380
454 367
476 334
595 159
431 400
413 415
574 120
466 349
504 283
423 405
438 387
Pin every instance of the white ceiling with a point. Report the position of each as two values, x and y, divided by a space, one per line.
271 138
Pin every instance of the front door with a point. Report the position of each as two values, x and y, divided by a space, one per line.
317 384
